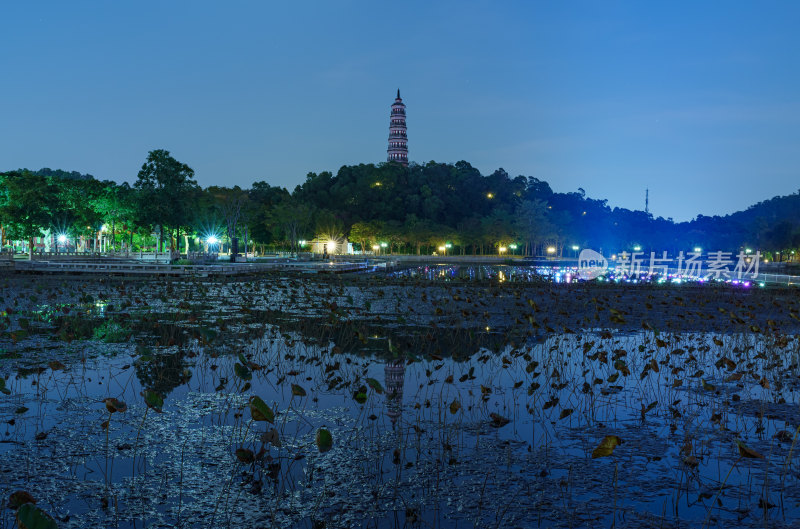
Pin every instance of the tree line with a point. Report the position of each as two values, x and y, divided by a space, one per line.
415 209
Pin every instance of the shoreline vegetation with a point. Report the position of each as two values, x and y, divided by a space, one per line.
378 209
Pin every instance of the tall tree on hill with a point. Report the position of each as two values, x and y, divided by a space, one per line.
165 188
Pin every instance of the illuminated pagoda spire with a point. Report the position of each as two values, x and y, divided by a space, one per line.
398 141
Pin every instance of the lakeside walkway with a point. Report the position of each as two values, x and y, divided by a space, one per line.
118 267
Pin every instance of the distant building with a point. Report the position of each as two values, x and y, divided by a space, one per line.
398 141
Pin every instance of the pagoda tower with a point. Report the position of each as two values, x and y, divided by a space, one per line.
398 141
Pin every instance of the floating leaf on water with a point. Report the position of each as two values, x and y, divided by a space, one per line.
245 455
455 406
734 377
19 498
3 388
746 451
115 405
242 371
29 516
550 403
566 412
360 395
498 420
298 391
783 436
21 410
272 436
706 386
260 411
153 400
55 365
606 446
324 440
375 385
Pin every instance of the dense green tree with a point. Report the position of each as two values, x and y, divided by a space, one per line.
28 204
166 188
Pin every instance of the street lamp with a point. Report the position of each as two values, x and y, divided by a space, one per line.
384 245
513 247
551 249
637 248
61 239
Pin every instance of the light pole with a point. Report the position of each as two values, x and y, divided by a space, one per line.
384 245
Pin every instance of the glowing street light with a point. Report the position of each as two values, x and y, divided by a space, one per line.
375 247
503 249
62 238
575 247
212 239
698 249
489 195
551 249
637 248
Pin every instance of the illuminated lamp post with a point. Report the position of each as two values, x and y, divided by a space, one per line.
61 239
384 245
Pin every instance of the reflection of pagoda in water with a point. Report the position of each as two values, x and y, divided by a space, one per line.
395 372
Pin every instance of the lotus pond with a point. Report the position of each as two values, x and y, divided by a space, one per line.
491 399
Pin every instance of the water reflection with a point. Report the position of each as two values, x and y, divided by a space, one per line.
500 273
162 373
394 378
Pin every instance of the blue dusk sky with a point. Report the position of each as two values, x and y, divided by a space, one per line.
697 101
